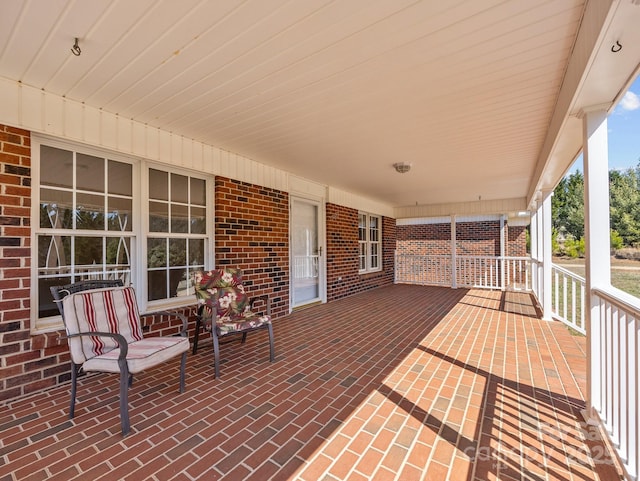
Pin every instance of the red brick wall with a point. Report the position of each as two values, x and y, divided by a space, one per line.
424 239
252 233
22 365
478 238
343 278
473 239
517 241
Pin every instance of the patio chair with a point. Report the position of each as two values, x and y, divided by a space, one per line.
104 333
221 296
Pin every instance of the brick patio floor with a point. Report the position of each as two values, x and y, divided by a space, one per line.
403 382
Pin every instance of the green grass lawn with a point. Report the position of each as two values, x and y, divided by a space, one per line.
625 274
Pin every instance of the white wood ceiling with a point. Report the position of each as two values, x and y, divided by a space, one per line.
335 91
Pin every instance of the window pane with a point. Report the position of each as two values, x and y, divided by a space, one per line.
88 254
120 178
198 220
56 167
362 227
198 192
363 256
156 252
46 306
118 259
179 188
196 252
119 215
89 173
54 255
179 218
89 212
178 283
158 185
56 209
156 285
374 256
158 217
374 229
177 252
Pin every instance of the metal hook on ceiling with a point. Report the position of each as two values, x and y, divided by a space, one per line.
616 47
76 49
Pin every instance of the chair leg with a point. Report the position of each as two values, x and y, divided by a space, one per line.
183 363
244 337
216 352
74 385
272 354
124 400
196 335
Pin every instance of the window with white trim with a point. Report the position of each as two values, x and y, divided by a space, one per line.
369 242
99 215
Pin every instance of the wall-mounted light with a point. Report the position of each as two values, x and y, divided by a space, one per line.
402 167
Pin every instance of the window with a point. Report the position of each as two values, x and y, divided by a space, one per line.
92 222
370 242
177 233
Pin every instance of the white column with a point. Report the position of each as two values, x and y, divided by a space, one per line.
547 256
454 267
597 242
533 239
503 253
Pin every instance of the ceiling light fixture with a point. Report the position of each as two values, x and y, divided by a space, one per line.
402 167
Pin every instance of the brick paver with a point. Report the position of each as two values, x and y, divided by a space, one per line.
402 382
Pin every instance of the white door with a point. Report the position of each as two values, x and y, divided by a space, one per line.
307 267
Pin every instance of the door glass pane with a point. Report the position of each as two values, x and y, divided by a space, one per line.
304 234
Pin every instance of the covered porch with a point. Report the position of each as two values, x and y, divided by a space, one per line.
401 382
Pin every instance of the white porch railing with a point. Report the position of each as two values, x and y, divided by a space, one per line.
568 298
615 342
484 272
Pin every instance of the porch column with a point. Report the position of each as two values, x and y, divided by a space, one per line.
547 256
533 239
597 242
503 253
454 267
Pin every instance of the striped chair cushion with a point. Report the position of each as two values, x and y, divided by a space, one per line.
141 355
113 310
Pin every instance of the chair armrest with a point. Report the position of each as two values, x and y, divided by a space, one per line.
119 338
265 298
183 318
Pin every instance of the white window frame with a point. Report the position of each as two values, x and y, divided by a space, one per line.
138 233
368 246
